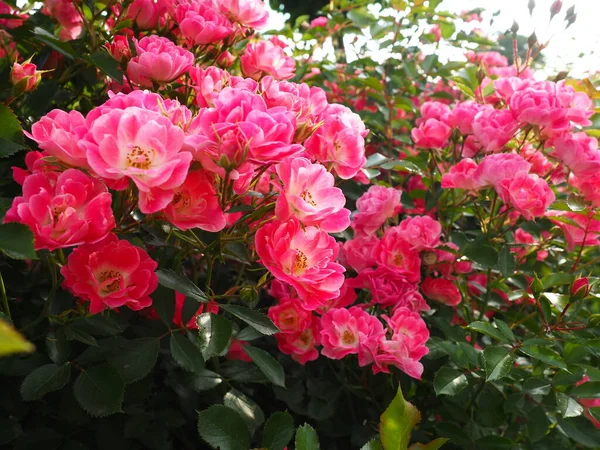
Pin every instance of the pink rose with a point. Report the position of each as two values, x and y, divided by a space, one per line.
236 351
339 141
308 193
143 146
421 232
147 14
433 110
25 77
441 290
289 316
579 152
494 169
58 133
529 194
463 114
63 209
303 258
431 134
493 128
266 58
196 204
374 207
66 14
158 60
320 21
248 13
359 253
397 255
301 345
119 48
201 24
461 176
580 230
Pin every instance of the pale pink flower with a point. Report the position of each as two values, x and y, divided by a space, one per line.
266 58
339 142
494 169
196 204
359 253
431 134
461 176
407 345
200 23
374 207
308 193
248 13
158 60
301 345
207 83
58 133
587 187
66 14
579 229
141 145
441 290
421 232
111 273
488 59
493 128
579 152
289 316
63 209
397 255
303 258
529 194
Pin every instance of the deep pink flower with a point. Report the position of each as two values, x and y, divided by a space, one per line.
339 141
463 114
523 237
421 232
587 187
461 176
308 193
359 253
580 229
374 207
158 60
493 128
236 351
433 110
303 258
207 83
266 58
63 209
494 169
407 345
588 402
248 13
210 307
66 14
289 316
200 23
529 194
579 152
320 21
441 290
431 134
196 204
111 273
58 133
147 14
36 162
397 255
301 345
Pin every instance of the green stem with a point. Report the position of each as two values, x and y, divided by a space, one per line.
4 299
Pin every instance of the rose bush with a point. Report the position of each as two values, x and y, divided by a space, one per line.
222 239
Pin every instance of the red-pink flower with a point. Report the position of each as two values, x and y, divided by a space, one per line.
200 23
421 232
66 14
374 207
493 128
36 162
339 141
58 133
141 145
248 13
63 209
289 316
589 403
303 258
236 351
350 331
196 205
397 255
320 21
407 345
25 76
359 253
431 134
111 273
441 290
266 58
158 60
529 194
119 48
301 345
581 229
461 176
210 307
308 193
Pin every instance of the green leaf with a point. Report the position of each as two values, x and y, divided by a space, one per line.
256 320
494 443
268 365
449 382
567 407
505 329
397 422
360 17
206 380
375 444
136 359
537 386
10 126
581 431
223 428
215 333
537 424
107 64
99 390
16 241
447 29
246 408
163 301
187 355
433 445
11 341
81 336
481 253
576 202
556 279
498 362
45 379
544 354
306 438
591 389
506 262
278 431
248 334
50 40
181 284
488 329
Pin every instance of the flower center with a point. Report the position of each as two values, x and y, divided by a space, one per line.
139 158
56 212
398 259
305 337
301 262
308 198
110 281
180 200
348 337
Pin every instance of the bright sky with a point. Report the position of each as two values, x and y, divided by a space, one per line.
566 46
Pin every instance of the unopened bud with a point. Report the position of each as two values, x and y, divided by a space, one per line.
225 60
24 78
532 40
571 20
580 288
514 28
429 258
555 8
531 5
